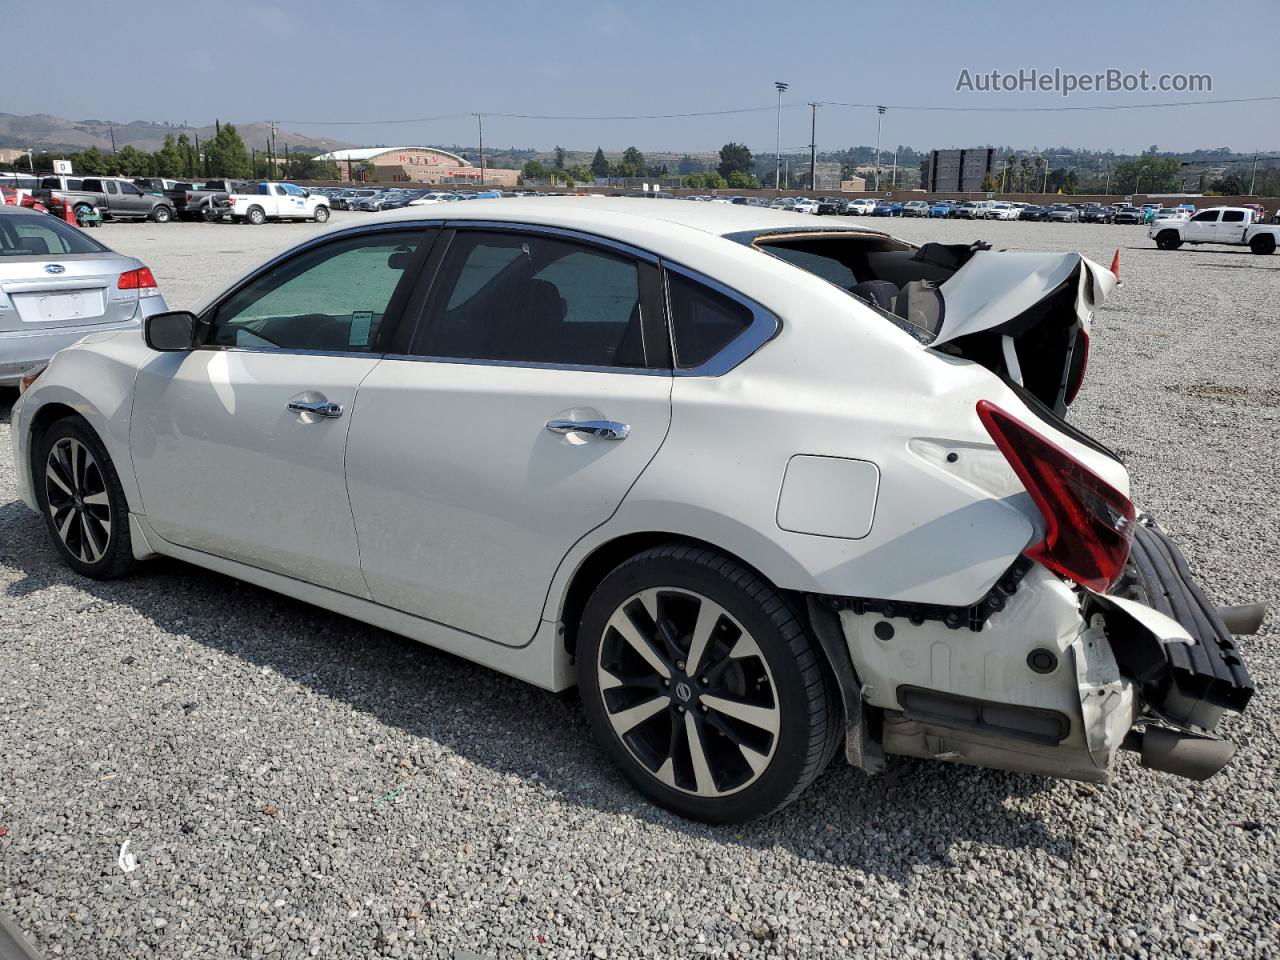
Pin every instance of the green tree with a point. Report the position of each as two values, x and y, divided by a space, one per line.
988 183
695 181
735 158
1148 174
535 170
713 181
581 173
132 162
233 153
599 164
169 161
560 155
741 180
90 163
633 162
188 155
1228 186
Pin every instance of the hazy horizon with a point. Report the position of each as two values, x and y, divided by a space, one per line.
315 66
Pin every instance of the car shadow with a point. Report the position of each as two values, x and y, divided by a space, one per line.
888 825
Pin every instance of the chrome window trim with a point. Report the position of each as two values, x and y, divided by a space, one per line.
763 328
533 365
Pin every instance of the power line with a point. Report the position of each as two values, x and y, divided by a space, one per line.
1058 109
540 116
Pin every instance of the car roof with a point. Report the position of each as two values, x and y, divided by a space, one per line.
590 213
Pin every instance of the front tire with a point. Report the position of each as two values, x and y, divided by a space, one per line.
1263 244
702 684
82 502
161 215
1168 240
322 214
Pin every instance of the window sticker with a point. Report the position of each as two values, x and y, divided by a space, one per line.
360 323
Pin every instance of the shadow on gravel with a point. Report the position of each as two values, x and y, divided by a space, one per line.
889 825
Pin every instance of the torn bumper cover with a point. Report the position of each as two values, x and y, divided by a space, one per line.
1059 680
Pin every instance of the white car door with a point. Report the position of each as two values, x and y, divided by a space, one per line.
1231 226
533 395
1203 227
293 201
239 445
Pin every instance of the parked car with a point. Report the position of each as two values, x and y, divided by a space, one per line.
804 205
1228 225
174 191
1094 213
257 203
827 206
887 208
860 206
915 208
58 285
1149 211
1002 211
969 210
1170 213
1062 213
209 200
752 553
1033 212
1127 215
941 208
113 197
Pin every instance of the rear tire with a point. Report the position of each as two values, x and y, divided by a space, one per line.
1168 240
82 502
256 216
1263 244
704 686
161 214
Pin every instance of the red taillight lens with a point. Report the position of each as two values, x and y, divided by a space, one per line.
1082 345
1088 523
140 279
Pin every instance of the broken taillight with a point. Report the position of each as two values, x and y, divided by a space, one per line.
1088 523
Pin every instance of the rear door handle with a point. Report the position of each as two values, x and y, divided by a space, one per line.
601 429
321 408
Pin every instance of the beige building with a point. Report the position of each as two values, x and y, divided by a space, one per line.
853 185
12 155
417 165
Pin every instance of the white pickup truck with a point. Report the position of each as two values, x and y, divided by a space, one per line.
1231 225
267 200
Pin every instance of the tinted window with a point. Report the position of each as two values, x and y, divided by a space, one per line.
703 320
23 235
1207 217
535 299
331 298
1232 216
128 189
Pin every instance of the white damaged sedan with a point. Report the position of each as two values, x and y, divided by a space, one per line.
767 490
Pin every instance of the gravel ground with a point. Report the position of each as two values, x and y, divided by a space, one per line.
296 784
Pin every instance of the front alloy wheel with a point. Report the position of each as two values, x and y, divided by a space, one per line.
704 686
83 504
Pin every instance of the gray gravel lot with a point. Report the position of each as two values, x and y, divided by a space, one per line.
297 784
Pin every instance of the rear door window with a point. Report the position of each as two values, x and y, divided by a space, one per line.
1232 216
703 321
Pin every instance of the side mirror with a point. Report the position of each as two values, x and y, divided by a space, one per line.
172 331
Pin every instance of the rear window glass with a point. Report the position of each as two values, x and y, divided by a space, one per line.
703 321
36 235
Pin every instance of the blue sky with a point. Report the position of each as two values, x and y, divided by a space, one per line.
325 60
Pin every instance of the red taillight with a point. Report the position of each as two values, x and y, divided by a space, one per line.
1073 388
140 279
1088 523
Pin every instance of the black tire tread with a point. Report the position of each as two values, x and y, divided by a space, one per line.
824 725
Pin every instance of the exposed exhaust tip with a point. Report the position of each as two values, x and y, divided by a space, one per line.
1245 619
1182 754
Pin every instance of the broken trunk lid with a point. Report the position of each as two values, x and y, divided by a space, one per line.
997 287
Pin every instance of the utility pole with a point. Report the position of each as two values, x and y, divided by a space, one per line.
113 138
1044 188
1253 177
271 171
813 146
480 125
879 115
893 180
777 167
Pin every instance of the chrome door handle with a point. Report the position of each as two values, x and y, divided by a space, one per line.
601 429
321 408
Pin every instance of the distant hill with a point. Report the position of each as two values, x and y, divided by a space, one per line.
41 131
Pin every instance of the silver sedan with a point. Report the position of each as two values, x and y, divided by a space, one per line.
57 285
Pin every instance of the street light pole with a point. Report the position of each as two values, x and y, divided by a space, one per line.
777 167
879 114
813 146
1253 177
480 125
